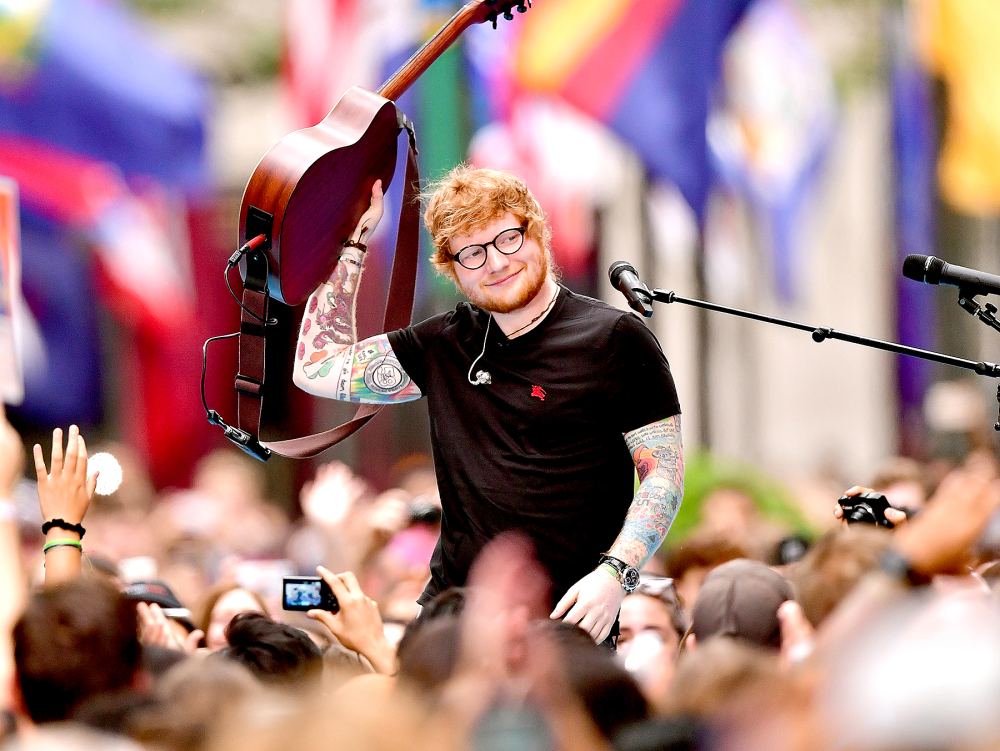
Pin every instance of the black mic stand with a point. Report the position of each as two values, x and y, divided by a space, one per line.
822 333
986 314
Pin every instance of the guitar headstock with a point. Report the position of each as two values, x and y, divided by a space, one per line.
492 10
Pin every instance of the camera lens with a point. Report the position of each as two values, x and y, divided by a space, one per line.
861 513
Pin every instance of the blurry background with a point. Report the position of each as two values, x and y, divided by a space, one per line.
780 156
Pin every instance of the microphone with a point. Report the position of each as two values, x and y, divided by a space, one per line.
624 278
931 270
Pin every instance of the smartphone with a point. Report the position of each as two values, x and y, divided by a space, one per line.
307 593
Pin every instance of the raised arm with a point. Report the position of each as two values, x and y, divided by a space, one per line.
329 360
593 602
64 495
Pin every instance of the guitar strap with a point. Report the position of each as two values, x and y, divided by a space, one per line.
398 309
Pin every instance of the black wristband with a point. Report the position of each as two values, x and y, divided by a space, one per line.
355 244
63 524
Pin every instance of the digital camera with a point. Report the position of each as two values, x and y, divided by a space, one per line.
307 593
865 508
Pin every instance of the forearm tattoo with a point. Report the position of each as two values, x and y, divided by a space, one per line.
659 461
328 326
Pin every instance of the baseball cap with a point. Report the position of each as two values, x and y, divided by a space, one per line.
740 599
158 592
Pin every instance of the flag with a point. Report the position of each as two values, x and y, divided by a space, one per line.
770 133
105 135
85 79
914 140
959 41
645 68
11 369
140 249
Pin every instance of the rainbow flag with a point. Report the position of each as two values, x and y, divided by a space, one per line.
646 68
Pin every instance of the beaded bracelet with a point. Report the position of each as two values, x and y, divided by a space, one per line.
62 544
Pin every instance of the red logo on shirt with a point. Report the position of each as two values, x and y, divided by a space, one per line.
538 392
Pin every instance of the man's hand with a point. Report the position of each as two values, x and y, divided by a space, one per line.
370 219
592 603
358 624
64 492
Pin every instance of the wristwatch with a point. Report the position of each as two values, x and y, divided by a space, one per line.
628 576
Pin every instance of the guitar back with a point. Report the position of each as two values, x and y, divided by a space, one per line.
308 192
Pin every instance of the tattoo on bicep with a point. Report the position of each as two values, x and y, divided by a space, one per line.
385 375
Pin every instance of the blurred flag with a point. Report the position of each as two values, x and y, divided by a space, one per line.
959 41
646 68
914 140
138 239
11 372
768 138
105 135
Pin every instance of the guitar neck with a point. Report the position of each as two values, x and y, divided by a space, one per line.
469 15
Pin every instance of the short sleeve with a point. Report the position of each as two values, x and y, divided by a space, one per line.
639 382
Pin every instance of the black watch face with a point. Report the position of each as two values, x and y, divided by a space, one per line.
630 579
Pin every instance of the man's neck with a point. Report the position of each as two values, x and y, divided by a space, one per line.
517 321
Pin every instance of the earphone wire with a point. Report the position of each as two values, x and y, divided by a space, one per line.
471 367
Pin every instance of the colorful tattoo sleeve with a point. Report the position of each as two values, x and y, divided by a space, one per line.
330 362
659 461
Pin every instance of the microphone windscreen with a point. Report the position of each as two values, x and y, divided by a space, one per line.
914 267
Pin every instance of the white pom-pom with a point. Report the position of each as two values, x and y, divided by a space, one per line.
110 477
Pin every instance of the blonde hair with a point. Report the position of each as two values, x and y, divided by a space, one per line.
468 199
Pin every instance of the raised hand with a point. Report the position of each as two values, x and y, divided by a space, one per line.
370 219
64 490
358 624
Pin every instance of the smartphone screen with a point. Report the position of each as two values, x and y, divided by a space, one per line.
307 593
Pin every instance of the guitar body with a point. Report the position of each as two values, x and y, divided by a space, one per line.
309 190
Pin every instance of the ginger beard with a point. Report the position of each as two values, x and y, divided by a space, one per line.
519 291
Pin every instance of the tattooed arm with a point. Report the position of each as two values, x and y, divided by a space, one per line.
593 602
659 459
329 361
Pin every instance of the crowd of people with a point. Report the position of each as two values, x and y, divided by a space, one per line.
142 622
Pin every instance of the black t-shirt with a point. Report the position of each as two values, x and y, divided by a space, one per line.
539 449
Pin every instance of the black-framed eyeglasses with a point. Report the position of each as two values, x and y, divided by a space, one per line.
507 242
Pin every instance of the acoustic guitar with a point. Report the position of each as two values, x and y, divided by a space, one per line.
309 190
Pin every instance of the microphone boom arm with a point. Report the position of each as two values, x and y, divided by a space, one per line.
822 333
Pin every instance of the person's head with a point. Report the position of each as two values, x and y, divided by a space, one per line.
278 654
74 641
740 600
220 606
193 699
689 563
834 565
653 609
484 207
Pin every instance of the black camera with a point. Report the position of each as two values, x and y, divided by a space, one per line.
307 593
865 508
